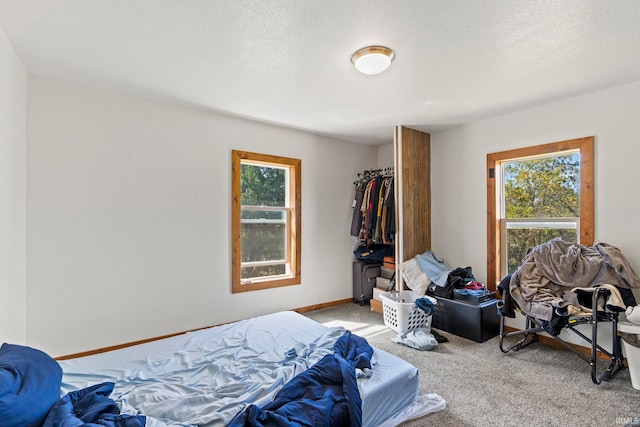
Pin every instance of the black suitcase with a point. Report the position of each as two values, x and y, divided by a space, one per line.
364 280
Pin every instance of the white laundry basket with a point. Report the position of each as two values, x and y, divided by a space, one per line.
401 314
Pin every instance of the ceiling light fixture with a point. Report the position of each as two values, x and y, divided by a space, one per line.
372 60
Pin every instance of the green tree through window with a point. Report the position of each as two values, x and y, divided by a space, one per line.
543 194
263 185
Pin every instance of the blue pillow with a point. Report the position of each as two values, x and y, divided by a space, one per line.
29 385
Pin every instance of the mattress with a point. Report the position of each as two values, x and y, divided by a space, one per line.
206 377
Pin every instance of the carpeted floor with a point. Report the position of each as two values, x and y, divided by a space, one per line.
537 386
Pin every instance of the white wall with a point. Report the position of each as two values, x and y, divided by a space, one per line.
385 155
13 136
129 217
458 169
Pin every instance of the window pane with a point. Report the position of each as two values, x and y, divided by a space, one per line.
263 185
520 240
263 215
546 187
263 271
264 235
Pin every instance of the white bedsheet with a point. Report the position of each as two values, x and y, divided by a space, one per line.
205 378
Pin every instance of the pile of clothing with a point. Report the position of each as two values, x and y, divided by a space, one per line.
472 287
430 275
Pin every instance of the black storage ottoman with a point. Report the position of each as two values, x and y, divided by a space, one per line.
476 322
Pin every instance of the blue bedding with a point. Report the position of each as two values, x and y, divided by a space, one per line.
29 385
324 395
207 377
90 407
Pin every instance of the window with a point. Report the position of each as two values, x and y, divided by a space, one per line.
536 194
266 221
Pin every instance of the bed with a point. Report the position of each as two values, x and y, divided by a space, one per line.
234 374
567 287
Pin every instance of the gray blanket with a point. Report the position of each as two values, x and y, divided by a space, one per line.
547 274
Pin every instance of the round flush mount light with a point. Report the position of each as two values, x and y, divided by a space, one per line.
372 60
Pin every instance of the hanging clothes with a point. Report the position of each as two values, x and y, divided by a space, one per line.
389 214
356 220
373 218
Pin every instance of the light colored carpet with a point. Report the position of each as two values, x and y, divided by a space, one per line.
537 386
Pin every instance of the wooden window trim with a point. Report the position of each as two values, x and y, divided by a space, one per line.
236 227
587 203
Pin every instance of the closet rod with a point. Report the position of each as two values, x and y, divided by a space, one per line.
374 173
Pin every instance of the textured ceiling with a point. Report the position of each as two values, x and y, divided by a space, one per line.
288 61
